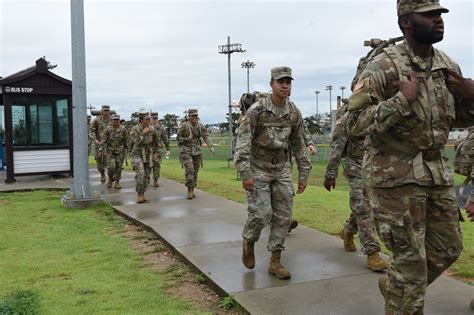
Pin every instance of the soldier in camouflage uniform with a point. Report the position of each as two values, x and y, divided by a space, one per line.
271 130
114 140
141 143
158 150
189 138
403 106
96 129
360 219
464 88
247 100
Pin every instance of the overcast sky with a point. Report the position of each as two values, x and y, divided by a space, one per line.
163 55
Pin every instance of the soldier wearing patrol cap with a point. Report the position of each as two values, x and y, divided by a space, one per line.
464 88
114 141
95 132
189 137
158 150
269 133
141 143
402 104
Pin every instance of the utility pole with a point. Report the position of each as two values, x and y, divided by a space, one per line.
80 194
228 50
90 108
248 64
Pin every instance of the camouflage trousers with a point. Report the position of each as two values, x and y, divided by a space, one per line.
420 226
271 202
191 164
157 164
142 174
100 159
114 165
361 219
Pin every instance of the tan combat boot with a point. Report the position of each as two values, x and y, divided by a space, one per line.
383 291
248 255
348 239
375 262
190 193
275 268
140 198
117 185
293 225
156 183
109 183
102 177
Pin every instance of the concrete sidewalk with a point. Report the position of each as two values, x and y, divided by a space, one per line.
325 279
206 232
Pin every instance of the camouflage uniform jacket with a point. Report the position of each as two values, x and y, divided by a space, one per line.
267 136
141 145
115 139
162 138
199 132
343 146
308 139
97 128
406 141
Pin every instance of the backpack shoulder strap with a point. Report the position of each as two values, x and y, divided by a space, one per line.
400 60
258 109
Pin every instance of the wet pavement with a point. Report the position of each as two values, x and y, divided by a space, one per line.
206 232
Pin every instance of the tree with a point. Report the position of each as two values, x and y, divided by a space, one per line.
313 126
169 122
224 126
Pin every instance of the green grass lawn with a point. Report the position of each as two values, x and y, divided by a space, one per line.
56 261
316 208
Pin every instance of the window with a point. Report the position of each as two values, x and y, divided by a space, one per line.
62 121
19 125
40 121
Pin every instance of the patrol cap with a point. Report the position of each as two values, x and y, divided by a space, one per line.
192 112
116 117
281 72
154 114
419 6
105 107
144 115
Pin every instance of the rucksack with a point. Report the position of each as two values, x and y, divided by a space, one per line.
248 99
378 46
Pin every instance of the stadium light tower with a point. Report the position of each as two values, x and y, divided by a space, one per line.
342 91
247 65
228 49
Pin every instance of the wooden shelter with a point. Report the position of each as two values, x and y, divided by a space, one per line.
37 106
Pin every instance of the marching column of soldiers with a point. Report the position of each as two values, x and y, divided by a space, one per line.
391 134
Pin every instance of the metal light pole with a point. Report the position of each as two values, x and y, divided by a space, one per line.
80 195
342 91
248 64
329 88
317 103
228 50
